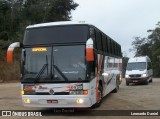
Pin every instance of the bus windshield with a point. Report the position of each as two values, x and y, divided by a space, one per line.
54 64
136 66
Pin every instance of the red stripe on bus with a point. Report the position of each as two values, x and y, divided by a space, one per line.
99 69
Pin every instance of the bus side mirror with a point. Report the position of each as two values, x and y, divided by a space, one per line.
10 51
89 50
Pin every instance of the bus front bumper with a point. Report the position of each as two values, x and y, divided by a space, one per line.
56 101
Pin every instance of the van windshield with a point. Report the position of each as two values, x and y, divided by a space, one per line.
136 66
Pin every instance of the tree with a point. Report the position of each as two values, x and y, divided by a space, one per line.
141 47
37 11
15 15
149 46
155 39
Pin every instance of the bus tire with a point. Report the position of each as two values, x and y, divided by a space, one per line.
97 104
117 87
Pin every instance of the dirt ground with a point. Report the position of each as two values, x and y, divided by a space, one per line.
134 97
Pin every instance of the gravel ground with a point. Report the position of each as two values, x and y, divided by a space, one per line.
134 97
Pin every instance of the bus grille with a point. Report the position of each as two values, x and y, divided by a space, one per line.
47 93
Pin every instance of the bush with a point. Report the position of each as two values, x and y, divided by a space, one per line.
9 71
4 35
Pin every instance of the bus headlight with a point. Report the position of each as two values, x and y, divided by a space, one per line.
105 74
80 101
27 100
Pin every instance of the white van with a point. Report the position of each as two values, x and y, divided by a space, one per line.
139 70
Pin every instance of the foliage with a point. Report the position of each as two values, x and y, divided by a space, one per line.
149 46
15 15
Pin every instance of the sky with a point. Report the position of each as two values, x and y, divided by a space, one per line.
122 20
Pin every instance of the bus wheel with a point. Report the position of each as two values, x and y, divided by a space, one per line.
117 87
98 103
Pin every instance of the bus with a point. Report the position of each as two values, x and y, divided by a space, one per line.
67 64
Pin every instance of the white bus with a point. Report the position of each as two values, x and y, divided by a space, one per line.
67 64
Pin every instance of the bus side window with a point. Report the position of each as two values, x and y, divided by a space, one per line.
104 44
111 48
116 51
118 48
107 46
98 40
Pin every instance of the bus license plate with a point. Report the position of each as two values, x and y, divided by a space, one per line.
52 101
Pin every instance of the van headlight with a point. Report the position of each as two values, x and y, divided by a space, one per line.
144 75
126 76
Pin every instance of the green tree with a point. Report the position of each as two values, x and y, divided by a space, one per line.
141 47
15 15
149 46
37 11
155 39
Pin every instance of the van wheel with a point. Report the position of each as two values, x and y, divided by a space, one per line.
98 103
151 80
127 84
146 82
117 87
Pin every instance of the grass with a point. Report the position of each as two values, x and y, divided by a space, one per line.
9 71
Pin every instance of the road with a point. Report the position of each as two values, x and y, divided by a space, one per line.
134 97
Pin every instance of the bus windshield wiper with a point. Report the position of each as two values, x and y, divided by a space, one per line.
42 70
60 72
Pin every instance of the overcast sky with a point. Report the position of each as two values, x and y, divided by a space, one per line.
122 20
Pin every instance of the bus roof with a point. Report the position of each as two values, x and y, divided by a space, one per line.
57 24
